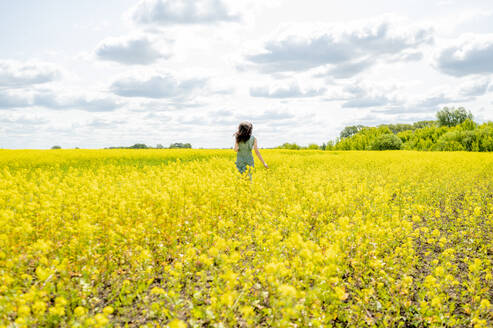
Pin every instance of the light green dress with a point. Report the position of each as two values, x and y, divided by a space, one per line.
244 156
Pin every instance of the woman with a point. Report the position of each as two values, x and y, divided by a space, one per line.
243 147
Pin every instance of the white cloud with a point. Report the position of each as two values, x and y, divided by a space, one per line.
407 56
226 118
367 101
435 98
427 104
475 87
131 50
23 120
12 100
432 102
169 74
57 99
445 2
15 74
292 90
170 12
362 95
347 69
14 126
85 102
162 85
102 123
469 54
350 47
267 116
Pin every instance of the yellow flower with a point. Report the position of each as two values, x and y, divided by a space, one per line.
287 291
23 311
80 311
247 311
39 307
213 251
90 322
21 322
157 291
178 230
176 323
228 298
57 310
485 304
60 301
436 302
206 260
43 273
475 267
477 211
340 293
108 310
101 320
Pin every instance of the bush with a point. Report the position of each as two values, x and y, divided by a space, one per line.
387 142
362 140
330 145
446 144
288 145
56 147
424 124
479 139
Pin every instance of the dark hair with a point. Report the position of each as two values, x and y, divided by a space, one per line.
244 132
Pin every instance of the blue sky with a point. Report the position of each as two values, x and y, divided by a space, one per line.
92 74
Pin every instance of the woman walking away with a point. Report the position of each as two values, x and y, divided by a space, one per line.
243 146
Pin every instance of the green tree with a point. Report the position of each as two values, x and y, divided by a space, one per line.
349 131
387 142
424 124
180 145
139 146
454 131
362 140
56 147
330 145
396 128
452 117
468 125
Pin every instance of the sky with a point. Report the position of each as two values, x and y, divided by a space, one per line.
94 74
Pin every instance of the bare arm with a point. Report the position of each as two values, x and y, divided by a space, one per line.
236 146
258 153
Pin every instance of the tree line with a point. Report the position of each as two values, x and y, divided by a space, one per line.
143 146
453 130
158 146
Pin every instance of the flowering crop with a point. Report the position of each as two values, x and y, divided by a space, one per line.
178 238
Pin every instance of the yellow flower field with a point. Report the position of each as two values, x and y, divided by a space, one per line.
103 238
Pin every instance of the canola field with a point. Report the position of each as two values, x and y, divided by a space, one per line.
176 238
